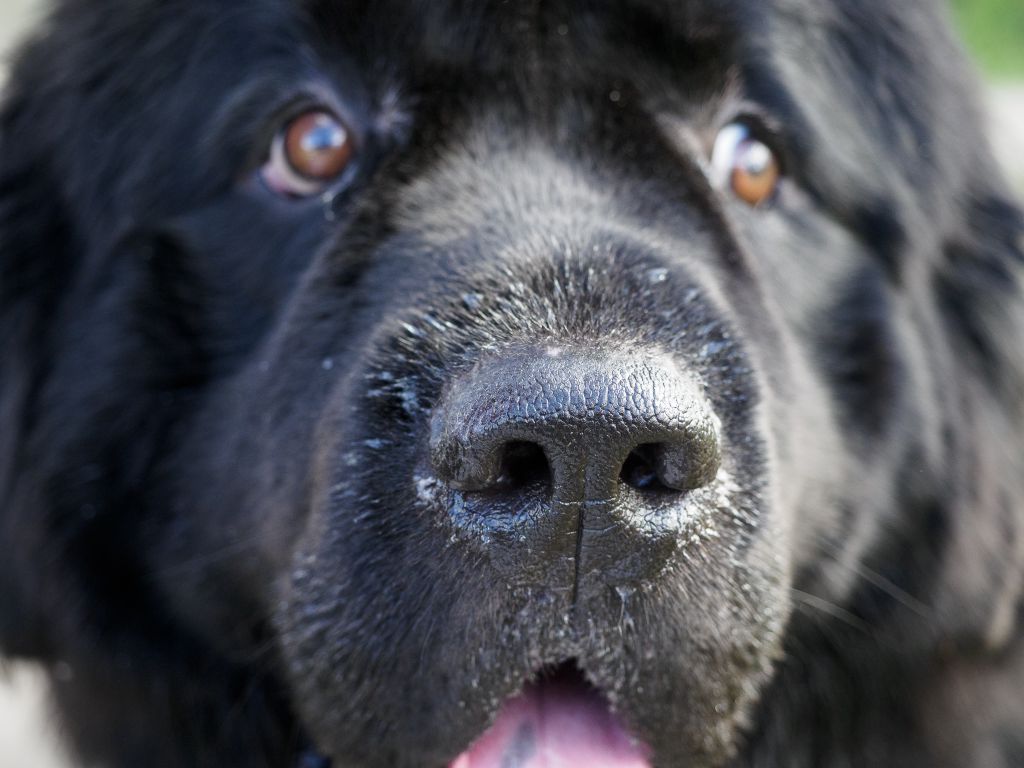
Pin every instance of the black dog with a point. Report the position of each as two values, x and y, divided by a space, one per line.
505 383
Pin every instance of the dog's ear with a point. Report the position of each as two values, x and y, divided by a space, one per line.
980 287
36 253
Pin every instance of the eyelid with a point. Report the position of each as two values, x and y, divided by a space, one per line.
736 106
232 124
761 128
295 107
766 129
279 174
265 103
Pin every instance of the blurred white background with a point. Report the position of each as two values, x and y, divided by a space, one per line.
27 738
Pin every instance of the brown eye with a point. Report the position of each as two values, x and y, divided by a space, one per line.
308 154
745 165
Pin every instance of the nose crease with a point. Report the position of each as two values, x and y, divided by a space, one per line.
611 425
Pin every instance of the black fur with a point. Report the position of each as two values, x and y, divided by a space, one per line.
219 527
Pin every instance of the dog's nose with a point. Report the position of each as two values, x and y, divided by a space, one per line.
572 464
582 424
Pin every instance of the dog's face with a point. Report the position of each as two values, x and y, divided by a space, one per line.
446 350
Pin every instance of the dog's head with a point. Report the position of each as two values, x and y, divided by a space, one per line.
416 353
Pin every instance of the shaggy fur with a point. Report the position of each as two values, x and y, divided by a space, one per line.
219 527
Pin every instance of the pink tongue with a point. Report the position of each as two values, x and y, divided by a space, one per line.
555 725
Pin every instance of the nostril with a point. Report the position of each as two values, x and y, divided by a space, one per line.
603 423
522 465
640 471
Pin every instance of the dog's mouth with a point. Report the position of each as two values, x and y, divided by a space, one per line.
559 719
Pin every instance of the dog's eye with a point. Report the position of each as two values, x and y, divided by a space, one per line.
308 154
745 164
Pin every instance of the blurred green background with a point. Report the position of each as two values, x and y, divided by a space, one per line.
994 30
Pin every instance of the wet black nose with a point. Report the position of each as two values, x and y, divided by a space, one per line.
582 423
570 466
